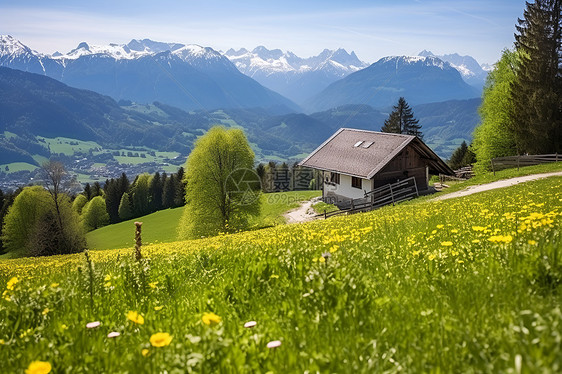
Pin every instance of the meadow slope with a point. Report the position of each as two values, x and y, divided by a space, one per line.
464 285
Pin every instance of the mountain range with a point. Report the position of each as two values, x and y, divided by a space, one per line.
471 71
419 79
292 76
187 76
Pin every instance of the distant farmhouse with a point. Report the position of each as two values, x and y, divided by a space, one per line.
356 162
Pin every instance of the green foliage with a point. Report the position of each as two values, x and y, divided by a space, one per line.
401 120
443 287
321 207
222 188
94 214
493 137
462 156
536 114
32 226
141 195
125 210
78 203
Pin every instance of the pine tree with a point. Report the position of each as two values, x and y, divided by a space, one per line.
537 90
156 190
180 187
88 191
402 121
169 192
112 199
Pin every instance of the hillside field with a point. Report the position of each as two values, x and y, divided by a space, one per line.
463 285
161 227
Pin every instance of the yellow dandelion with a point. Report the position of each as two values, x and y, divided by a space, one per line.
160 339
11 283
45 311
54 285
159 307
440 226
2 342
476 241
145 352
532 242
334 248
321 259
38 367
446 244
431 257
153 285
135 317
210 318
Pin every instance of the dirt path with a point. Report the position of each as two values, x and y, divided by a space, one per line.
498 184
304 213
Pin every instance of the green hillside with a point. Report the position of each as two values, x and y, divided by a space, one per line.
464 285
161 227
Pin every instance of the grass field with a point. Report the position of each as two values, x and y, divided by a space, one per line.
161 227
464 285
17 166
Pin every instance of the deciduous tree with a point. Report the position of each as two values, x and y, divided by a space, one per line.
222 188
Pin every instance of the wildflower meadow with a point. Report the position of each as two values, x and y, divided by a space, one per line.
464 285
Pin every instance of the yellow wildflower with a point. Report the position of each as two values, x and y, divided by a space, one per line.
11 283
38 367
210 318
532 242
145 352
334 248
446 244
160 339
478 228
54 285
153 285
321 259
159 307
45 311
440 226
135 317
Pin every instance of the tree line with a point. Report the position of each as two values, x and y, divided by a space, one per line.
34 217
521 111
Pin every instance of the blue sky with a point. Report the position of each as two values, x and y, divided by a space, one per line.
373 29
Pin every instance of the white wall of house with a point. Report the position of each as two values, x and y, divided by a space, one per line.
344 188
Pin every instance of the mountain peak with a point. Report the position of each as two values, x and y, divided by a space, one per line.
426 53
11 46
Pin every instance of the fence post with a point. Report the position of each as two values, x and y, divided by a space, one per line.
556 156
325 217
416 186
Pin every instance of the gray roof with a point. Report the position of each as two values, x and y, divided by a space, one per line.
363 153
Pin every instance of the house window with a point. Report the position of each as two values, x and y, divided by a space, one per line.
335 178
356 182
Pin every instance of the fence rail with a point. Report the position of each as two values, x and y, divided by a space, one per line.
388 194
500 163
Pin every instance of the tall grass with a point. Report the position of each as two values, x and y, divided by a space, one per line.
463 285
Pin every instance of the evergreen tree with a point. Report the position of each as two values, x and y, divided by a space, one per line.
112 199
156 190
402 121
123 184
180 187
169 192
125 210
537 90
87 191
97 190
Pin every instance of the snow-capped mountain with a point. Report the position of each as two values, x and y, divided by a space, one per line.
419 79
471 71
186 76
295 77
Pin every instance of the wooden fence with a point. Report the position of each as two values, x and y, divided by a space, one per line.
500 163
389 194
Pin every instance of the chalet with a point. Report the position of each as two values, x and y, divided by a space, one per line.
355 162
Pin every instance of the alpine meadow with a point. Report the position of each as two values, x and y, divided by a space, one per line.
322 202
